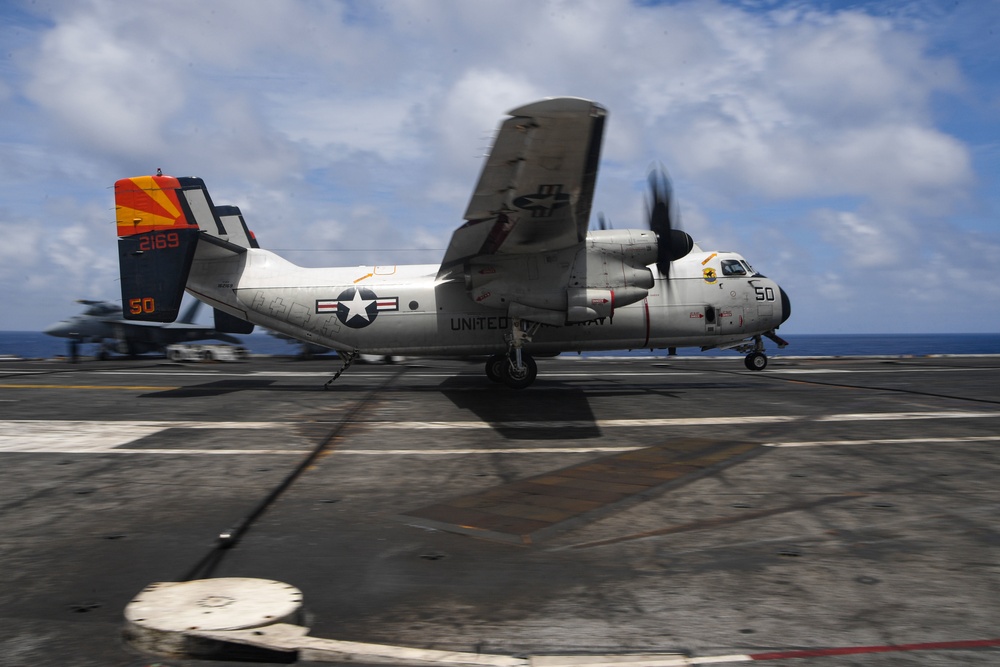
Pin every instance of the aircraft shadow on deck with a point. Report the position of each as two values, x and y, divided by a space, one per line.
217 388
511 414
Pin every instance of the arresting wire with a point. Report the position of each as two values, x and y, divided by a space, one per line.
231 537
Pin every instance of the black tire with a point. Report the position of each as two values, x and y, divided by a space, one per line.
525 378
494 367
756 361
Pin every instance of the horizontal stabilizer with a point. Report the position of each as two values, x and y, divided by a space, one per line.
226 323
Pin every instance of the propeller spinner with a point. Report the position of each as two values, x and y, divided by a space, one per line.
672 243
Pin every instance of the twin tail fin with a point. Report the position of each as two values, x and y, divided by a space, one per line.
161 222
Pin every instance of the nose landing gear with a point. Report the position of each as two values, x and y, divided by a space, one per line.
756 361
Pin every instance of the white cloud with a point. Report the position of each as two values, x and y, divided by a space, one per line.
822 106
863 243
102 94
474 105
325 120
382 126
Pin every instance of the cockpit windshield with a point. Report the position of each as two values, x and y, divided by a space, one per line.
733 267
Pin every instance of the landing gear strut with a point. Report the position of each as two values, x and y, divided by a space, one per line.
349 358
516 369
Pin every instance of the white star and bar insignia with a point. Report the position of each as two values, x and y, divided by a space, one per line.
357 307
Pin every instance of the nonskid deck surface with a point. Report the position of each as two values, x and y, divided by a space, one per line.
617 506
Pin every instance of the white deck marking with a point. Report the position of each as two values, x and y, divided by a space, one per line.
885 441
73 436
892 416
554 424
81 436
495 450
672 421
862 371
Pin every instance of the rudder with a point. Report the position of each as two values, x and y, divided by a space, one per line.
157 237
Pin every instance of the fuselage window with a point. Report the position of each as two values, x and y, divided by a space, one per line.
732 267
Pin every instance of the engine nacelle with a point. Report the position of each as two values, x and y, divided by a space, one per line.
584 305
608 271
615 259
635 246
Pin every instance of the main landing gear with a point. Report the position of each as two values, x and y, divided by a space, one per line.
505 370
516 369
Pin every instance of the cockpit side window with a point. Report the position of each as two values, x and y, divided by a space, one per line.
733 267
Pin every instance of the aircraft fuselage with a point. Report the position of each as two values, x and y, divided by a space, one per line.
406 310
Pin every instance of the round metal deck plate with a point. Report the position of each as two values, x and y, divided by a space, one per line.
231 603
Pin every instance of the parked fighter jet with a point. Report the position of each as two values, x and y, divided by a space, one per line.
102 323
523 276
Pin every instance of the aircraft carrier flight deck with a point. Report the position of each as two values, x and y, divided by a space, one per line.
676 510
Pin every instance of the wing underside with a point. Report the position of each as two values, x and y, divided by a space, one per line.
535 191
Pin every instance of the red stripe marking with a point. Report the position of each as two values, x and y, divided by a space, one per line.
645 305
851 650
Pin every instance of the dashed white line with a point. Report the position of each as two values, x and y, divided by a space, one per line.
81 436
886 441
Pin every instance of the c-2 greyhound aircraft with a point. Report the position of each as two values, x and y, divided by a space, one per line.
523 276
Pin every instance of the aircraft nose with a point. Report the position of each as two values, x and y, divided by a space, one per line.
786 306
57 329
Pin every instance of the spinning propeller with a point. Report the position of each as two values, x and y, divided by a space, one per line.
664 221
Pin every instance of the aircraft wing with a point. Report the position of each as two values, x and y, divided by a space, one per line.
535 191
159 335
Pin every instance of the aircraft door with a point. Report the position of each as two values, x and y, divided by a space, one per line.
711 319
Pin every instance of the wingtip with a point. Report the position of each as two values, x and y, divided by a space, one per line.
551 106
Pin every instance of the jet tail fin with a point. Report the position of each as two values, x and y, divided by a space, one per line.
156 242
161 220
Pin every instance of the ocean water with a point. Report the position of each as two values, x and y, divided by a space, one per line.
33 345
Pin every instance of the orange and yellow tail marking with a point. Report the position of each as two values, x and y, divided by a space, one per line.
148 203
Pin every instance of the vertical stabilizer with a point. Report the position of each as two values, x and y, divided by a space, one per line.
157 237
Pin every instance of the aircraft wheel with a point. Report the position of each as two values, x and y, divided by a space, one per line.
494 367
516 380
756 361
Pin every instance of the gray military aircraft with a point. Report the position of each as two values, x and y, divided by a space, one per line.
523 276
101 322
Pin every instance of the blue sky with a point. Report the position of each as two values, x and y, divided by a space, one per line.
849 150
